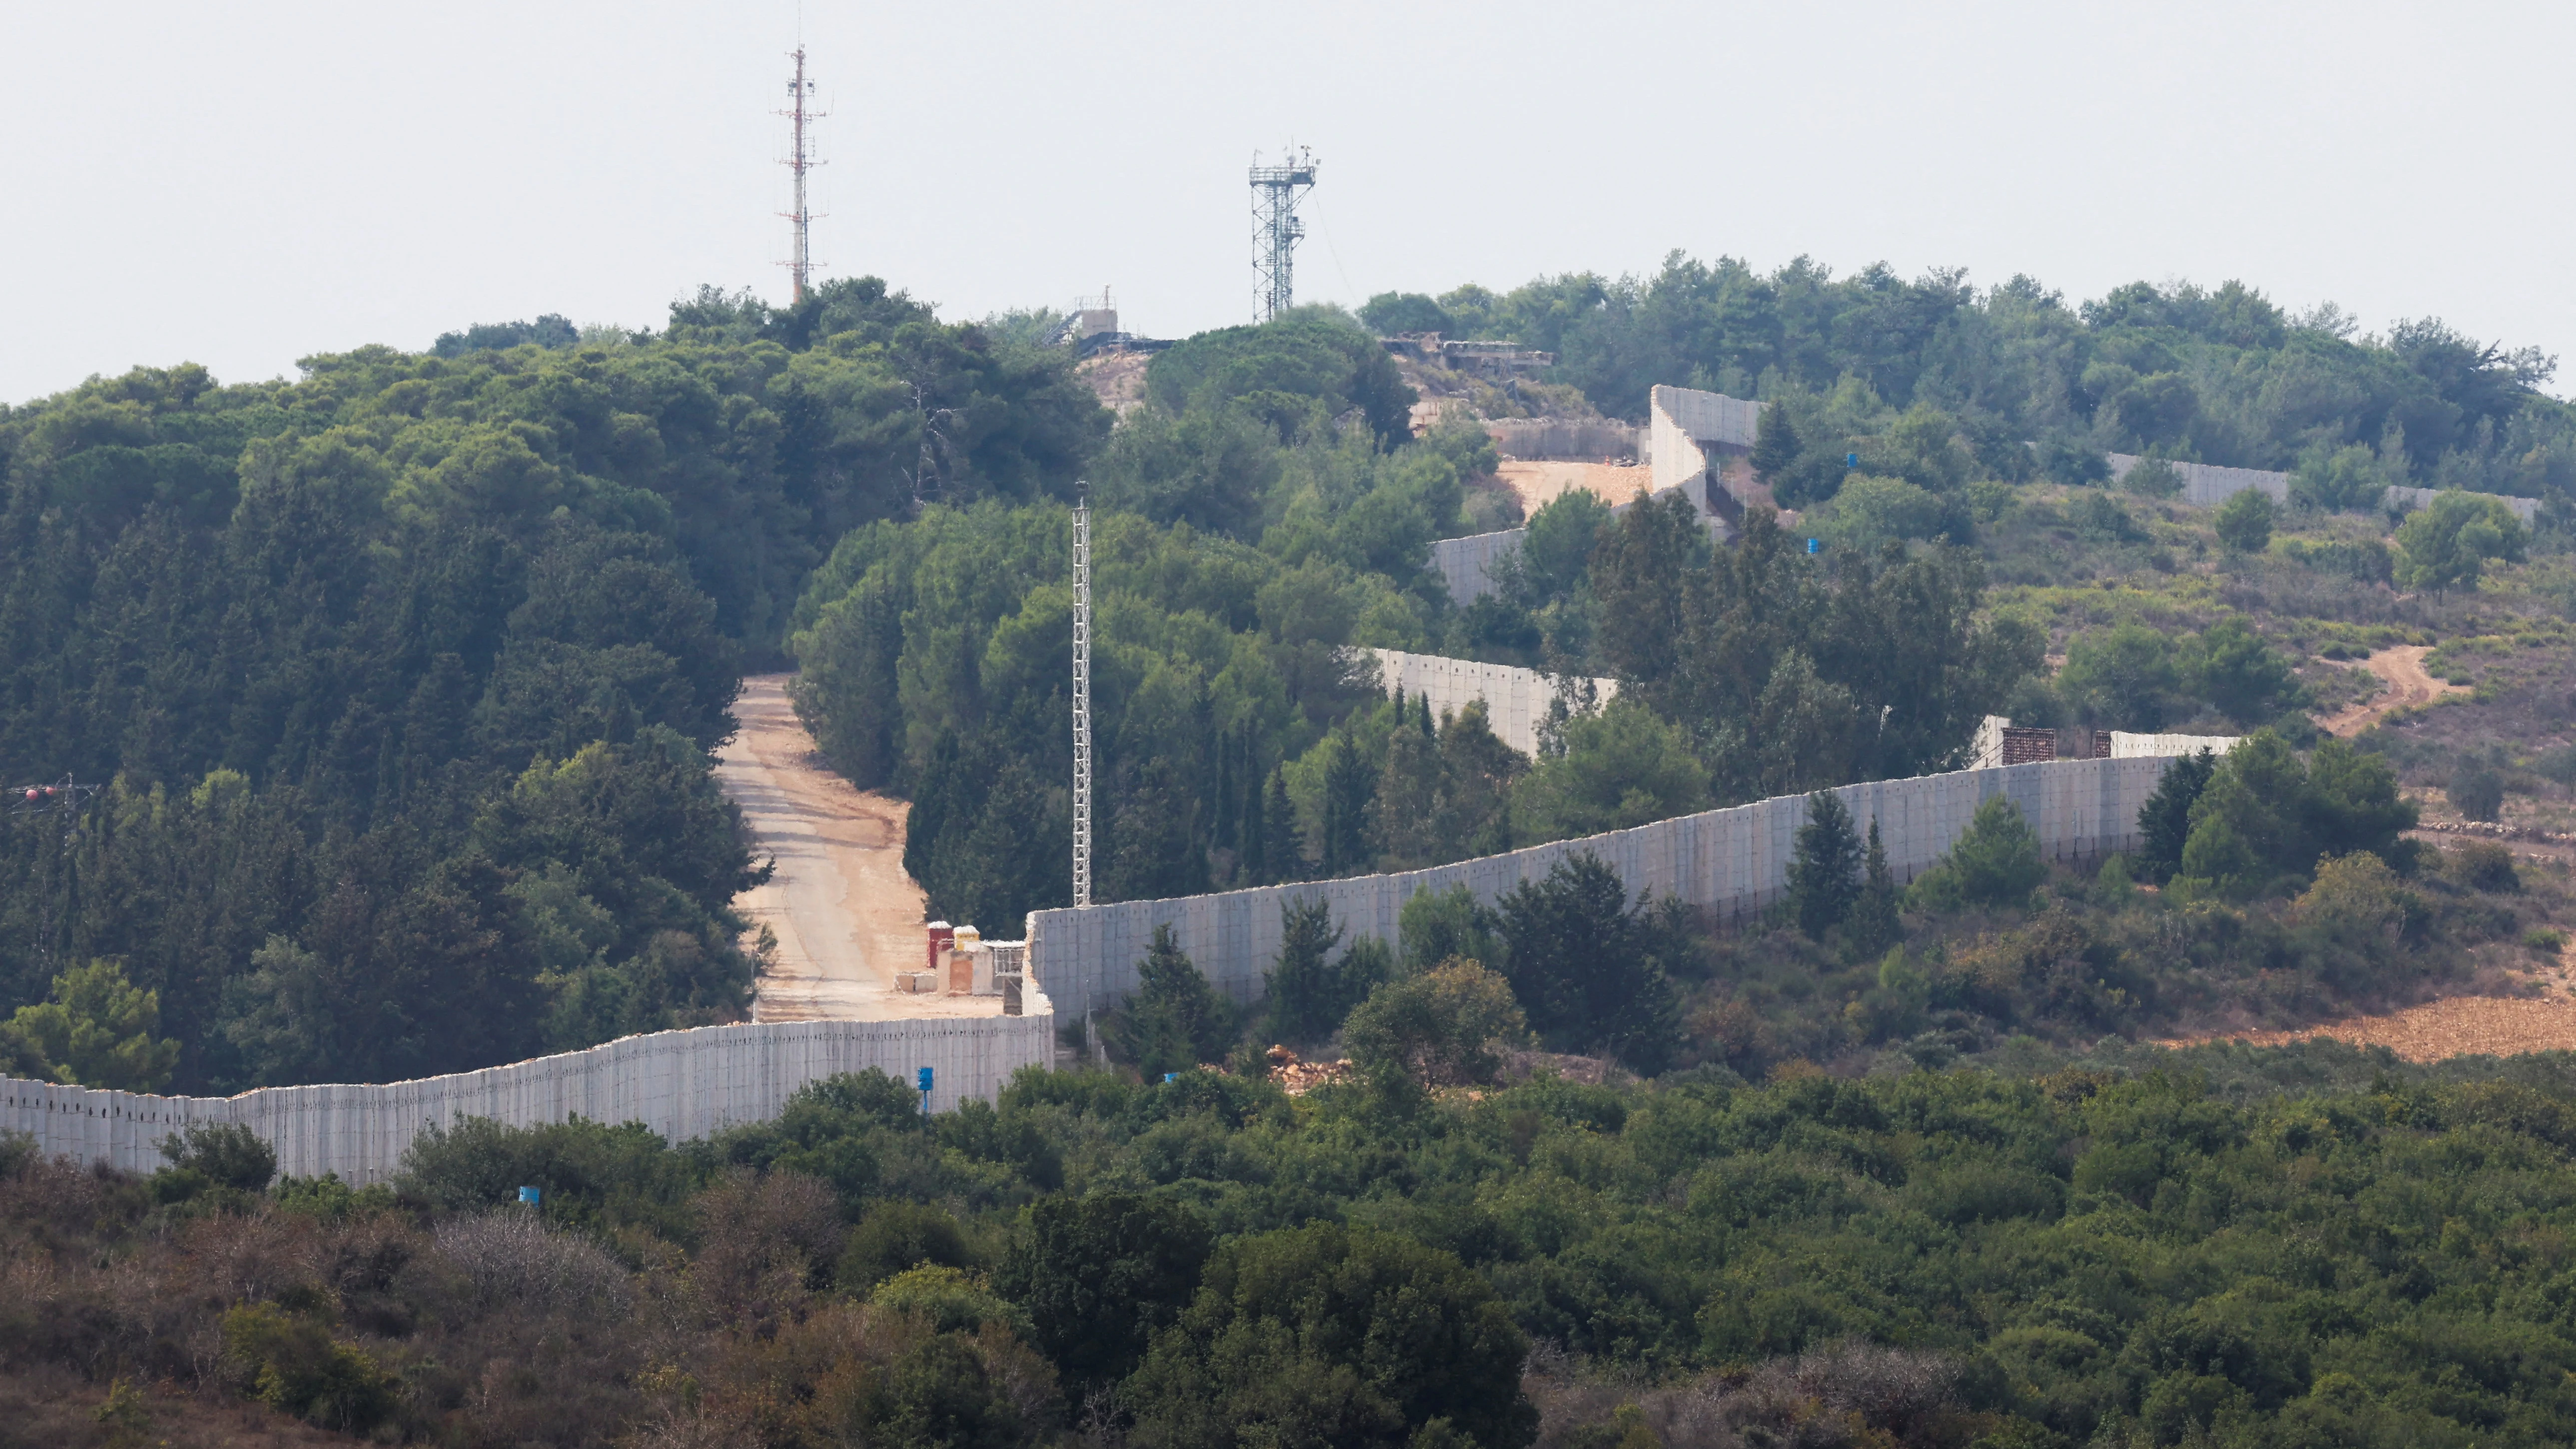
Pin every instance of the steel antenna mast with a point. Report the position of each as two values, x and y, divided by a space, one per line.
800 159
1276 229
1082 696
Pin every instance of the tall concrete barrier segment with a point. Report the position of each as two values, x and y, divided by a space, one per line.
1516 700
2526 509
1588 439
1466 564
2208 485
1729 862
681 1084
1684 426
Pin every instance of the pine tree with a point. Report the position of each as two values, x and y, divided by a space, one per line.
1824 876
1775 442
1304 987
1874 925
2164 823
1175 1020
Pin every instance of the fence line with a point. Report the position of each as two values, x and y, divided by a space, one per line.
681 1084
1730 861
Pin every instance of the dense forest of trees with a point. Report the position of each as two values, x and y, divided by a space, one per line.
2220 376
1270 508
403 679
403 676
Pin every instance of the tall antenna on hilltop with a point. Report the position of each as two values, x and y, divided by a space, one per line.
1276 229
1082 696
800 159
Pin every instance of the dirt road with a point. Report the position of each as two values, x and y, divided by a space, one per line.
845 914
2402 670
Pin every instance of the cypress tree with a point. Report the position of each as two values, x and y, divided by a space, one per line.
1223 834
1280 857
1251 833
1874 925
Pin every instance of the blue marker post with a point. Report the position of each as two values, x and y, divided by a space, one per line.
924 1081
1851 460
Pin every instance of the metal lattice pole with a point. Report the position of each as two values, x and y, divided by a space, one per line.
800 159
1082 699
1276 229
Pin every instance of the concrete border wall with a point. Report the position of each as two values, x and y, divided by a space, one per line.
1565 438
1729 861
2127 746
2526 509
2206 483
1466 564
1684 423
1516 700
682 1084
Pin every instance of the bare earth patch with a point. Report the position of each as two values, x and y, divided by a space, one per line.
1539 483
2456 1026
2402 670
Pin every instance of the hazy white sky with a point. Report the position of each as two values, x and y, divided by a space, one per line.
245 184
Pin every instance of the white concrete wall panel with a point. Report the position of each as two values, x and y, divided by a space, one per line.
2127 746
2526 509
1565 438
1516 700
1730 862
1671 451
682 1084
1466 563
2206 484
1709 417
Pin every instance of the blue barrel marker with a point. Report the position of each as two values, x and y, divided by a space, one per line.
924 1081
528 1195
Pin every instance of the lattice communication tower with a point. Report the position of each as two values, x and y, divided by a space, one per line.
1082 697
801 117
1276 229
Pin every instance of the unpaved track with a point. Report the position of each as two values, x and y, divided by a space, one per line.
845 914
2402 670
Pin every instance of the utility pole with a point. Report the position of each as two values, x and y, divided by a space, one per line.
1276 229
800 159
